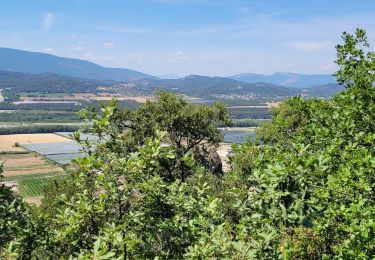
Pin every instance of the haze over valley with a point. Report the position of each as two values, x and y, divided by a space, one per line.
39 72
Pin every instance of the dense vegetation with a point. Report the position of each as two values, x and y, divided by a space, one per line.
33 185
48 82
41 106
35 128
48 117
303 190
295 80
39 116
246 113
216 86
324 91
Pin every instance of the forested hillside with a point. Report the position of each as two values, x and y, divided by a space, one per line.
36 63
151 186
48 82
299 81
326 90
211 87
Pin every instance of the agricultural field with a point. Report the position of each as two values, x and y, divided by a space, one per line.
61 152
27 164
20 121
28 169
31 186
37 97
31 172
7 142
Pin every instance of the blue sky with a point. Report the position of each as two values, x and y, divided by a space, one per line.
182 37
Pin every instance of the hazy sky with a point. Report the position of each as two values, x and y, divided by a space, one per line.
211 37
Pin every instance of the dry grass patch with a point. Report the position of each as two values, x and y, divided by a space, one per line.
26 164
7 142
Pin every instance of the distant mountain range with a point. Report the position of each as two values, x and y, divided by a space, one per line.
49 82
211 87
300 81
32 71
325 91
35 62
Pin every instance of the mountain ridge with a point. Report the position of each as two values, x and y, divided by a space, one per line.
288 79
50 73
206 86
48 82
38 62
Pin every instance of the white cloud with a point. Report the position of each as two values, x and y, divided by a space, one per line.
329 67
77 48
88 55
123 29
48 50
109 44
48 21
176 57
311 45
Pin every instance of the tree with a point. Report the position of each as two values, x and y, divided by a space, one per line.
189 128
140 191
13 215
312 190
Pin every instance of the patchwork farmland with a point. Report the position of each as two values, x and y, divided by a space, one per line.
33 160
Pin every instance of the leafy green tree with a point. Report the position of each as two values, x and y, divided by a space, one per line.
13 215
312 190
136 194
189 128
292 116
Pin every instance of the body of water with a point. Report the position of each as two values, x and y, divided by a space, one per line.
234 136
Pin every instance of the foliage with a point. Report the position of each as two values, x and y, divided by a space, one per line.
12 215
39 116
33 185
303 190
220 87
249 113
48 82
30 129
247 122
290 117
315 169
189 128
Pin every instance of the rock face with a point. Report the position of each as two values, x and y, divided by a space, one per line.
224 151
210 160
214 163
